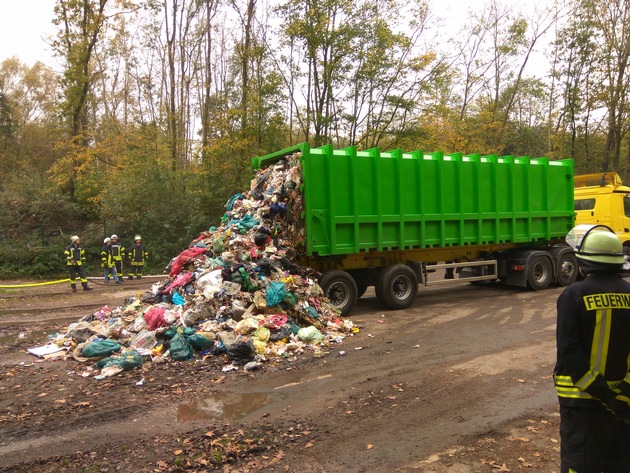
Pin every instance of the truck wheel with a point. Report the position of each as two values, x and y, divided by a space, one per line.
397 286
567 269
539 273
340 289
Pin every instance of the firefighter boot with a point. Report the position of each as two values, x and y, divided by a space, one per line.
74 287
85 286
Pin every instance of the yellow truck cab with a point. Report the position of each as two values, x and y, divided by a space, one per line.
603 199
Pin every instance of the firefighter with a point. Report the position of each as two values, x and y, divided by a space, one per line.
107 262
118 252
75 262
592 376
138 254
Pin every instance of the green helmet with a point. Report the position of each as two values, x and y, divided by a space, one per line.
600 249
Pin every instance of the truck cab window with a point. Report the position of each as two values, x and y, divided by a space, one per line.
626 205
589 204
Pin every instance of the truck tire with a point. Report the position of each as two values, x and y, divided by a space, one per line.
396 286
567 269
340 289
539 273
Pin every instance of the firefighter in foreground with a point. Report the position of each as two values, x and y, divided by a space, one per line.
75 262
138 254
592 370
118 253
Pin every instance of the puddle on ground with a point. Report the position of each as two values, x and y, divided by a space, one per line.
39 336
227 406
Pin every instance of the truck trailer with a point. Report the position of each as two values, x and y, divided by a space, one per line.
391 219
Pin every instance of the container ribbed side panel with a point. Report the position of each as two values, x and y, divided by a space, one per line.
358 201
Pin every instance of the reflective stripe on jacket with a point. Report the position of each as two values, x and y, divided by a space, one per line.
137 254
593 339
118 251
107 258
76 253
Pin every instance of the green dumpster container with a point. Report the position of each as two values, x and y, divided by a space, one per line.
361 201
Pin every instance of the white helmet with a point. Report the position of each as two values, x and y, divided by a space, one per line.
74 238
138 237
107 240
114 237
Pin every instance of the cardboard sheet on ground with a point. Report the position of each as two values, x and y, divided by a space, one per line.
44 350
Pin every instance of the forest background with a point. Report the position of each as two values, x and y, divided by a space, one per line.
149 125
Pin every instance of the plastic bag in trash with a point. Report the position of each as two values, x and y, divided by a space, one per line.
230 203
260 239
309 334
218 244
188 331
172 315
260 346
266 266
155 317
262 334
170 332
289 300
199 341
240 352
100 348
177 299
276 321
280 334
180 348
126 362
275 293
139 324
246 325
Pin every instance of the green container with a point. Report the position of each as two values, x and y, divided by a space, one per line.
358 201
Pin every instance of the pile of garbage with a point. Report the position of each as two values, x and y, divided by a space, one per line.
235 292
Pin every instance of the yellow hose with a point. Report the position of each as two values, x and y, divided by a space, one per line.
13 286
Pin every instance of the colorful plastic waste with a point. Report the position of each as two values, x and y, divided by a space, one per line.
236 292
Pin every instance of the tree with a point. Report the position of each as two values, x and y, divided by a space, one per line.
574 67
27 117
80 23
593 51
325 30
7 134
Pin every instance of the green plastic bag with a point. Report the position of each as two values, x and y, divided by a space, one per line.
310 334
100 348
288 301
249 222
312 312
128 361
218 244
180 348
188 331
275 293
171 332
199 342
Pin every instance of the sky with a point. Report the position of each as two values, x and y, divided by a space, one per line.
25 25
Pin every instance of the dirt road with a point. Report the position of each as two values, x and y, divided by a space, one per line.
460 382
